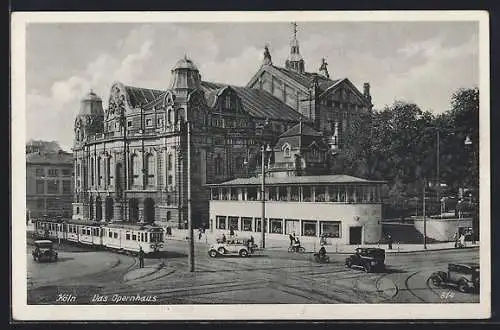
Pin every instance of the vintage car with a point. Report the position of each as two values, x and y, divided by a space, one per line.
368 259
463 276
44 250
238 246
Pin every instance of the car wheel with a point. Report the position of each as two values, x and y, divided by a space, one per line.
462 286
302 250
436 280
212 253
221 250
243 253
348 263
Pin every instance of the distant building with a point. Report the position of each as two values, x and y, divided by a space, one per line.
49 184
42 146
341 208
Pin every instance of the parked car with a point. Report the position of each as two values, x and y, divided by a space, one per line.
241 247
463 276
44 250
369 259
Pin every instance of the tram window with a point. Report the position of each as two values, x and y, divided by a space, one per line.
115 235
145 237
83 231
134 237
127 236
110 234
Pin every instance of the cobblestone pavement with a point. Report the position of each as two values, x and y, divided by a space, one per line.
270 277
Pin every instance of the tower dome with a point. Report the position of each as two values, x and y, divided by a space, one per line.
185 76
91 104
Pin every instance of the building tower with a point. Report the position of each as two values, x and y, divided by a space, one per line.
295 61
88 123
185 77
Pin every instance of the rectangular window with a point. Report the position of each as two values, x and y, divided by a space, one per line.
66 172
309 228
40 172
330 229
134 237
110 234
53 172
52 187
160 122
221 222
115 235
149 122
129 123
258 227
40 203
40 187
233 223
276 226
66 187
246 224
292 226
127 236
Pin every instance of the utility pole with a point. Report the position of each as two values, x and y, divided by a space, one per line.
263 198
438 179
425 220
190 218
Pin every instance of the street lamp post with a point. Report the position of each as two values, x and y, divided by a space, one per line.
423 214
263 197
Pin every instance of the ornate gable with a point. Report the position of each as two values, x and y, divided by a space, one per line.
118 99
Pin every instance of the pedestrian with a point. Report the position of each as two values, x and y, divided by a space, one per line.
292 239
199 236
389 241
455 239
462 240
141 257
223 238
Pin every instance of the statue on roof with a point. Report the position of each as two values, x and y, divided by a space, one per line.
267 56
323 68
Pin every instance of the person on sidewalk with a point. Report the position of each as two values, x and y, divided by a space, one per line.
462 240
141 257
389 241
292 239
223 238
199 236
455 239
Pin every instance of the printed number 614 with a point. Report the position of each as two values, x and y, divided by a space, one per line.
447 295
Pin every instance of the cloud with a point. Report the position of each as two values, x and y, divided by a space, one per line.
61 105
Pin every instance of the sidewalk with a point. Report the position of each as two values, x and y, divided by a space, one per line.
312 246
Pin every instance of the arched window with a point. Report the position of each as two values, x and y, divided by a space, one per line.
150 169
286 150
170 116
135 170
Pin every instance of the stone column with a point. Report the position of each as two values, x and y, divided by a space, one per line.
103 207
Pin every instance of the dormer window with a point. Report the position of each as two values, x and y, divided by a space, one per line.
286 150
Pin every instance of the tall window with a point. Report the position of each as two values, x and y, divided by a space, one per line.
99 171
53 172
40 187
92 166
169 180
219 165
169 162
150 169
66 187
135 170
108 170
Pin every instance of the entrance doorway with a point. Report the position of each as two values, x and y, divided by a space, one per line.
149 210
355 235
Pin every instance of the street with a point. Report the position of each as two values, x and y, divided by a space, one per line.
271 277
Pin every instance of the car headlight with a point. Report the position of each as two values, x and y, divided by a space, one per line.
151 246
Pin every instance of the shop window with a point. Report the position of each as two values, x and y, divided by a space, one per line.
258 227
309 228
233 223
330 229
221 222
276 226
246 224
292 226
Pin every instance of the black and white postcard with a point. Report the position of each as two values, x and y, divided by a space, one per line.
250 165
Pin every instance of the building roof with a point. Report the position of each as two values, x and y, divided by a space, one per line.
53 158
306 78
255 102
301 136
141 96
185 63
91 96
309 179
305 130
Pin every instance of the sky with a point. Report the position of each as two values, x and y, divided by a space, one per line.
420 62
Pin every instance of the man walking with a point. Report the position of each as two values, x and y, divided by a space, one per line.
292 239
141 257
389 241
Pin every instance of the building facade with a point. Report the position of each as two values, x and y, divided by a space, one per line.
341 208
49 184
136 158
